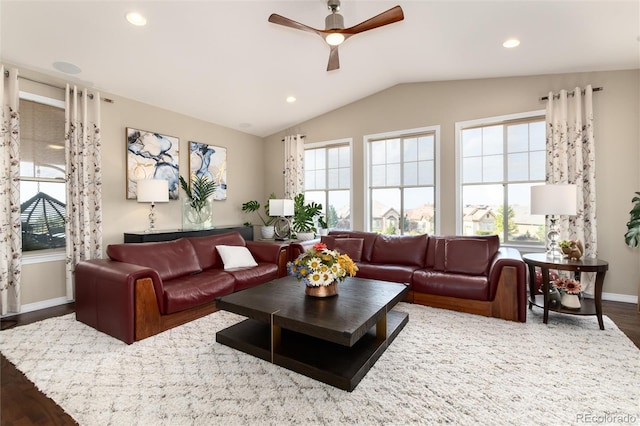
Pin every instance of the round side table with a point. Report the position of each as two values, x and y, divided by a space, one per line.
545 263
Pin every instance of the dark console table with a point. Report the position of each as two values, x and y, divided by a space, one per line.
588 306
174 234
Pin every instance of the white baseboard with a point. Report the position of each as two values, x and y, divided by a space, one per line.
615 297
30 307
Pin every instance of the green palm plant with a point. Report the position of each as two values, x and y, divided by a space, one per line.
304 214
254 206
632 236
201 189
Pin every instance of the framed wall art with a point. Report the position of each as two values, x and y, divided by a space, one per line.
210 161
151 155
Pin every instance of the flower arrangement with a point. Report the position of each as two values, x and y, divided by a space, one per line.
568 285
320 266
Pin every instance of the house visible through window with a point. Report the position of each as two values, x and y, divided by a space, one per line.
401 171
42 173
499 160
327 180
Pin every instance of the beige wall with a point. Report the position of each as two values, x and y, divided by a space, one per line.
245 154
407 106
255 167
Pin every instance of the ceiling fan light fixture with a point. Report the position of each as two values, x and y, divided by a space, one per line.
334 39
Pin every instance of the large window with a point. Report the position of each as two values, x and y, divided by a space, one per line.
327 180
499 160
401 175
42 173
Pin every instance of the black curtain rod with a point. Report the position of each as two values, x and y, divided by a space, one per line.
556 95
90 95
303 136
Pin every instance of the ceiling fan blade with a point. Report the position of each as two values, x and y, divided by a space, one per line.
334 60
392 15
281 20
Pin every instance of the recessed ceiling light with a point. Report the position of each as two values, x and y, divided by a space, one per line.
511 43
55 146
136 18
291 99
67 67
244 125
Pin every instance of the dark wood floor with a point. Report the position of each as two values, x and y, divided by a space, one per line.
22 404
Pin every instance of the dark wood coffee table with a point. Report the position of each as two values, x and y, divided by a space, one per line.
335 340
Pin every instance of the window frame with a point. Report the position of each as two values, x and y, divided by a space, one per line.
51 254
402 134
332 144
523 117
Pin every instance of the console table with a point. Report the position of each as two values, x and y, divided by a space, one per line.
545 263
174 234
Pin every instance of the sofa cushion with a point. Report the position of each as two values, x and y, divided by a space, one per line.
393 273
474 287
466 256
349 246
194 290
367 246
234 257
205 247
251 277
437 252
400 250
170 259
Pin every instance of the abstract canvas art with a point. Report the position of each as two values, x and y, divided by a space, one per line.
151 155
209 161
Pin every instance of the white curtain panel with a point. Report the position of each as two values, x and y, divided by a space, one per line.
10 229
84 180
571 159
293 166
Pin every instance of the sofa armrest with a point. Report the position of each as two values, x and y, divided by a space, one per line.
266 251
105 295
510 257
299 247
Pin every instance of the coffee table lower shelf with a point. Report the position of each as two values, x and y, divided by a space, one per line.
331 363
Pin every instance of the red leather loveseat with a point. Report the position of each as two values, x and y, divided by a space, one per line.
146 288
469 274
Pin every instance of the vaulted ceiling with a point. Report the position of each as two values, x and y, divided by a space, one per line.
223 62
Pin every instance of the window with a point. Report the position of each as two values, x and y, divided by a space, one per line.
42 173
327 180
499 159
401 176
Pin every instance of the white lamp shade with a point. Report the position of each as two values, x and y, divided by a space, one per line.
558 199
280 207
153 191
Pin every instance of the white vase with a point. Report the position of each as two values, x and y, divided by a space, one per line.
570 301
305 236
267 232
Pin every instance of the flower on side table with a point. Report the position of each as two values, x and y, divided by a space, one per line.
320 266
568 285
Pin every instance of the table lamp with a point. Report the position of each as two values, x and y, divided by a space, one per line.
152 191
554 200
282 209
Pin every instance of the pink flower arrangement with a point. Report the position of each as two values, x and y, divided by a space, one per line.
568 285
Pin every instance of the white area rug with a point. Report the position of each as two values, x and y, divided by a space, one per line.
444 367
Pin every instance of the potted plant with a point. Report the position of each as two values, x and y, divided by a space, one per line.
266 230
304 217
198 206
632 236
323 228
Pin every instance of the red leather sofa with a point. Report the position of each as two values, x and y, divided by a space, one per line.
469 274
146 288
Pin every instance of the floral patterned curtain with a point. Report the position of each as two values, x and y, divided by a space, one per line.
84 180
571 159
293 166
10 230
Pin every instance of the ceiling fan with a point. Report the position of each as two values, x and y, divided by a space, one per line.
335 33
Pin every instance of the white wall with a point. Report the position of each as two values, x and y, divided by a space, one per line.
407 106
